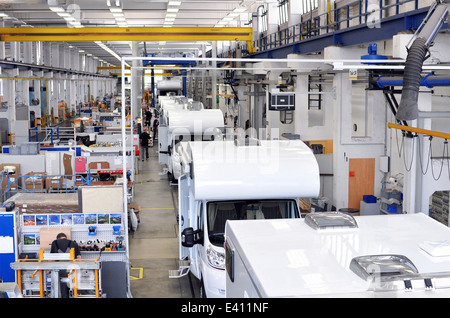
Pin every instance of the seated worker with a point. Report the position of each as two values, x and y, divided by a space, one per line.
63 245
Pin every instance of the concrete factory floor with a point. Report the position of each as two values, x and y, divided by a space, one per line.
154 246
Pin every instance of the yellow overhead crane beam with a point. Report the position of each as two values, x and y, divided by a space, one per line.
66 34
119 68
111 68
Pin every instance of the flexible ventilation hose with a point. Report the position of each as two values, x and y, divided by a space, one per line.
408 109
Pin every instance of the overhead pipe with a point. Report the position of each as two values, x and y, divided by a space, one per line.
428 81
417 54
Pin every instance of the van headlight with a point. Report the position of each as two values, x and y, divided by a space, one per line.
215 259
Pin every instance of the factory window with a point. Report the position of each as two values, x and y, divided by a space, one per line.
263 19
250 20
309 5
283 11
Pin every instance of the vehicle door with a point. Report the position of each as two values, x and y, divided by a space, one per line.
197 249
163 144
184 212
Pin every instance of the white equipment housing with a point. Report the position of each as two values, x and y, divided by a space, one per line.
332 254
224 180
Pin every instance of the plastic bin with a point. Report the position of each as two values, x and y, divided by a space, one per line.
369 198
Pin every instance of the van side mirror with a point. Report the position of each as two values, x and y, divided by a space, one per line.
187 237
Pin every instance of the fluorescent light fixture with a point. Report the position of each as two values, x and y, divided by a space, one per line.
227 19
69 19
2 15
162 42
173 10
115 9
170 19
121 19
56 9
118 15
171 15
64 14
174 3
240 9
81 51
233 14
222 22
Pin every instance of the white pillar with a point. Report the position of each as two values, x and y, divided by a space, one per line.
214 76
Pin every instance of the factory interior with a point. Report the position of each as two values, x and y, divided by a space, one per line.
224 149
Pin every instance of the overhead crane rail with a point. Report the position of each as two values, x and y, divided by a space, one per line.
56 34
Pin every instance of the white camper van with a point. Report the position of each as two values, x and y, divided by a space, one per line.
186 123
227 180
331 254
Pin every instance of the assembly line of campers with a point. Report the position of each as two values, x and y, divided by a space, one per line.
225 178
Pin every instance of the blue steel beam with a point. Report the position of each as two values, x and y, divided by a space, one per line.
350 36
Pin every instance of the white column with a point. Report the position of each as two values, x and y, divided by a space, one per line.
214 76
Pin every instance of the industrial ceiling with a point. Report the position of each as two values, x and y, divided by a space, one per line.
129 13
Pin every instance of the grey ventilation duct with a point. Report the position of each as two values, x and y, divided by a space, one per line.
417 54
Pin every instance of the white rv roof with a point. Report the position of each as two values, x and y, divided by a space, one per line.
168 85
290 259
283 169
194 120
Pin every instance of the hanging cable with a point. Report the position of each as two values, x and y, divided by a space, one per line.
412 155
442 163
428 156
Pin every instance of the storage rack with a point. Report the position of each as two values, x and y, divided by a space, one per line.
440 206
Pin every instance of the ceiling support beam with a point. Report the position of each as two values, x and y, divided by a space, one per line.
65 34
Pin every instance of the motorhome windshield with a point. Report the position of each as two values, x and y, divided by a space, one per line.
219 212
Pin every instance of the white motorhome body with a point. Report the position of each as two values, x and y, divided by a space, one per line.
384 256
185 124
169 86
224 180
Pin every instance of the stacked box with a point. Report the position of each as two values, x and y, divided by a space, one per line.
55 183
13 172
36 181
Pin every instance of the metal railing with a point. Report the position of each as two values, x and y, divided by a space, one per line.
343 17
42 183
52 134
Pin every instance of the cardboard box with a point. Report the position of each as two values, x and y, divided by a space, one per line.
55 183
11 176
98 165
36 181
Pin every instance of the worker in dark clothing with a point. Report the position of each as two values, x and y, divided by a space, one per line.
63 245
148 118
144 138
